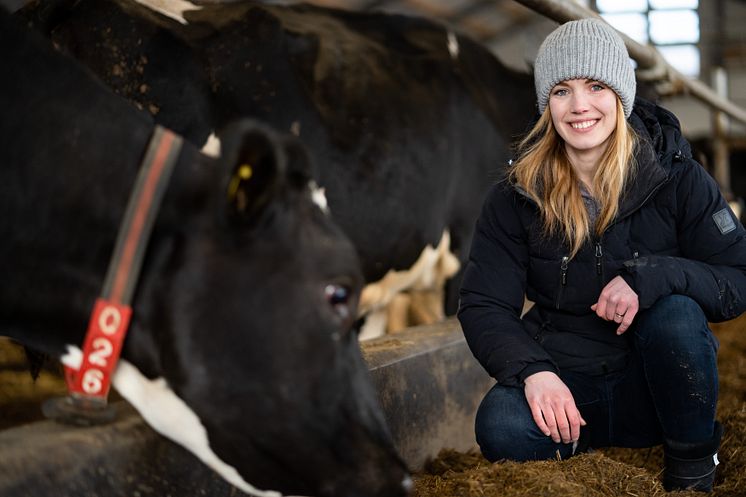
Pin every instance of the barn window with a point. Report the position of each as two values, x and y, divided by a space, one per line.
672 26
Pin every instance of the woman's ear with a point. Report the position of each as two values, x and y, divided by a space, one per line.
254 157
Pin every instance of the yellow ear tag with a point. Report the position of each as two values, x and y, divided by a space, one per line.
243 173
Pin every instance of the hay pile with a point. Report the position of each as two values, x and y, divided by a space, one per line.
610 472
20 395
586 475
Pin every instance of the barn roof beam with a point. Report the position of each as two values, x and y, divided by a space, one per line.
651 65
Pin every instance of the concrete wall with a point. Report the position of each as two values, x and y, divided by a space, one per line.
430 386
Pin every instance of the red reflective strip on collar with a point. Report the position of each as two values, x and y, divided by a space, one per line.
103 344
133 236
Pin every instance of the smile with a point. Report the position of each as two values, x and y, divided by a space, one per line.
584 124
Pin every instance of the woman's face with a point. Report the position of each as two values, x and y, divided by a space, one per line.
584 114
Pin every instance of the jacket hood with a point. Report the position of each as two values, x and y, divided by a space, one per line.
661 128
660 143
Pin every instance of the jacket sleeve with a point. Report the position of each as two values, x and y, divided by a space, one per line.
712 243
492 295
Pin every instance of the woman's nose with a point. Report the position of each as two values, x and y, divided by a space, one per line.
578 103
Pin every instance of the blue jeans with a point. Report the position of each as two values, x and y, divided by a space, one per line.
668 390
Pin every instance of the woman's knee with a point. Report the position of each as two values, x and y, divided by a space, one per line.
505 428
499 424
674 321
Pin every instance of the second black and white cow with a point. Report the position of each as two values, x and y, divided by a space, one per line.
240 345
408 120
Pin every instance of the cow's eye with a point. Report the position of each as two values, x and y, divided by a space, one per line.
338 297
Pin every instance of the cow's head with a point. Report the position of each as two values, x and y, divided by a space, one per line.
254 363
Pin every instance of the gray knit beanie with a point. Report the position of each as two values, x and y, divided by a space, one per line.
589 49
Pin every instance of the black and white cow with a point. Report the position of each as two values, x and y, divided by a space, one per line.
240 346
408 121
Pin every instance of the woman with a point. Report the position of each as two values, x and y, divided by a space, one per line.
627 248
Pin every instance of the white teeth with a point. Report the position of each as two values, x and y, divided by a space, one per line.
584 124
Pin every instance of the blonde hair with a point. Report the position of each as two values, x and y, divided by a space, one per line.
544 172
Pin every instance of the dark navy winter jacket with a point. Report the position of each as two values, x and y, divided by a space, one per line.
674 235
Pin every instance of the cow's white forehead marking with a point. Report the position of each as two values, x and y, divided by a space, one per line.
211 147
318 196
171 417
171 8
453 44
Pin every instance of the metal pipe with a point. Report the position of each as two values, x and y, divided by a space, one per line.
469 10
651 65
720 153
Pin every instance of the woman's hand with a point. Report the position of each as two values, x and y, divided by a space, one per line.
553 407
618 303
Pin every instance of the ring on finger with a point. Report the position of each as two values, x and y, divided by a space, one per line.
619 315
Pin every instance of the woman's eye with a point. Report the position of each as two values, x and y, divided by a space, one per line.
561 92
597 87
338 297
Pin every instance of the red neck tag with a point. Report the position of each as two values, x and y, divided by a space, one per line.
103 344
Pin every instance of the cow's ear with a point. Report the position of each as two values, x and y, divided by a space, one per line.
257 166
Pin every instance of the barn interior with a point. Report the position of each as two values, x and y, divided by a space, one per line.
428 383
707 46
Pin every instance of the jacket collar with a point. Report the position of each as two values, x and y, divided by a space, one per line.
650 174
660 142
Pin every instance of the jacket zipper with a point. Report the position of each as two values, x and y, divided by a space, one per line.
563 280
599 261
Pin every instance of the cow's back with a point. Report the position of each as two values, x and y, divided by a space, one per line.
407 123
